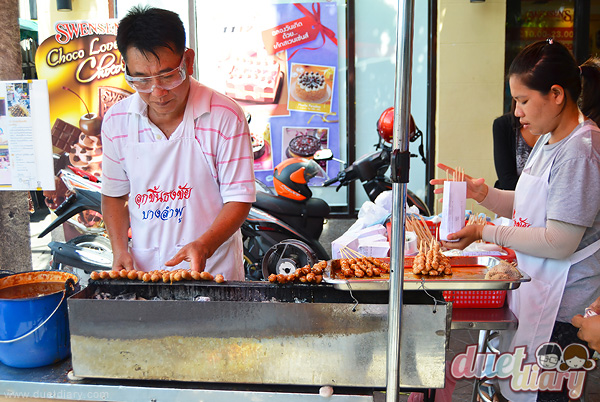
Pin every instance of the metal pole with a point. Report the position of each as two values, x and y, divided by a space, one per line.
400 165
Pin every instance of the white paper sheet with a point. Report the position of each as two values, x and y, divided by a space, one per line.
453 208
25 141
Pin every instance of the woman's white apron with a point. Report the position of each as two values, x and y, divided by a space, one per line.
173 199
536 303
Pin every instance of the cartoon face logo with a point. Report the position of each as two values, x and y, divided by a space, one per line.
576 357
548 355
575 362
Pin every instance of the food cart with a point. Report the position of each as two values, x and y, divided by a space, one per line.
261 341
190 340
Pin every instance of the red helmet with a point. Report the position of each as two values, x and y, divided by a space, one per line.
291 178
385 125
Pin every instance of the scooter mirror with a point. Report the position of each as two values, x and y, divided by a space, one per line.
323 155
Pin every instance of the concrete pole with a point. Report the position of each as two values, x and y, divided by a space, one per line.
15 243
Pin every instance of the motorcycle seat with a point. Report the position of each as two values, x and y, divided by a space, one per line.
313 207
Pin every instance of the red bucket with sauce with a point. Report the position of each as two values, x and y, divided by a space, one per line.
34 329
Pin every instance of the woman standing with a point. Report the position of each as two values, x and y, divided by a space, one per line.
512 146
555 206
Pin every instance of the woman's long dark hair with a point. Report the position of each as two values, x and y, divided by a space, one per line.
543 64
589 101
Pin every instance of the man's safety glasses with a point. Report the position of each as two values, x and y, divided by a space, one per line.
167 81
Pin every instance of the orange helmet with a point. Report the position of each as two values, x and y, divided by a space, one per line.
291 178
385 125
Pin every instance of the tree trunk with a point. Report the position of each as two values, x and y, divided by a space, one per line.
15 243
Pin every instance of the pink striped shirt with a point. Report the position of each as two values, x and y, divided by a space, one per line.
220 127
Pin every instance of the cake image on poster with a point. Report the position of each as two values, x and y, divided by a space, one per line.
258 145
310 86
260 133
303 142
254 77
303 146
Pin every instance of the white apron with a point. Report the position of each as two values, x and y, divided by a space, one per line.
173 199
536 303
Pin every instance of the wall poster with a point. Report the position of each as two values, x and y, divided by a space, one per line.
25 156
279 62
83 68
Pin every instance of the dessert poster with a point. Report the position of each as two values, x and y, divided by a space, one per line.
280 63
83 68
25 149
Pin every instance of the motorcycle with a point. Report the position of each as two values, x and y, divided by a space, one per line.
91 250
261 231
282 230
306 215
265 246
371 169
280 234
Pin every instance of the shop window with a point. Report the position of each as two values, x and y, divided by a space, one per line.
575 23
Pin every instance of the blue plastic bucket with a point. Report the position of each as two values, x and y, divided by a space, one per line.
34 330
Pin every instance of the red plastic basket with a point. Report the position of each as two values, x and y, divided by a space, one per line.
434 228
475 298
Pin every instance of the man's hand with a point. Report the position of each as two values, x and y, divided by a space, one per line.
123 260
195 253
466 236
476 188
227 222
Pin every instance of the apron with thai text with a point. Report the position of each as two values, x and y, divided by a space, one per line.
173 199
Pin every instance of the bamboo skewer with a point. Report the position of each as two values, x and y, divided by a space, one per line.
347 252
458 174
420 228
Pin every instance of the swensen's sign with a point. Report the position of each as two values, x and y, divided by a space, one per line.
67 31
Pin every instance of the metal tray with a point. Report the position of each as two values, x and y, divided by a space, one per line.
468 273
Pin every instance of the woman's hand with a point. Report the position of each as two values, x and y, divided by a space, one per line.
596 306
465 236
589 330
476 188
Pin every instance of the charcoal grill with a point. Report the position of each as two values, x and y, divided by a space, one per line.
252 332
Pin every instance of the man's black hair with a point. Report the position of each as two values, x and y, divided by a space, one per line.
550 349
148 28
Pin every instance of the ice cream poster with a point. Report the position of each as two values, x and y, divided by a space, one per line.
84 71
25 150
279 62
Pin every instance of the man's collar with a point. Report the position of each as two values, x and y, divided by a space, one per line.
199 99
137 105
